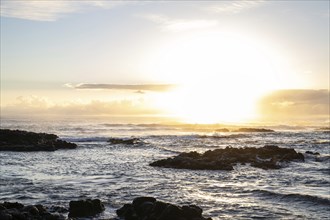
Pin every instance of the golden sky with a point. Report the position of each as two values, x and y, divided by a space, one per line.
197 61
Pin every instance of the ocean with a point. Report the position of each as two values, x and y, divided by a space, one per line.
117 173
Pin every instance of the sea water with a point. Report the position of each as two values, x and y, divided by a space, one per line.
116 174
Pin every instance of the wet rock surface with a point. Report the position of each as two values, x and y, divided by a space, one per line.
148 208
85 208
267 157
312 153
18 211
18 140
141 208
129 141
88 208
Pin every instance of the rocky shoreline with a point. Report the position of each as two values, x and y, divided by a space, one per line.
148 208
141 208
18 140
267 157
18 211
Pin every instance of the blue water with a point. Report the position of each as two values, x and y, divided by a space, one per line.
118 173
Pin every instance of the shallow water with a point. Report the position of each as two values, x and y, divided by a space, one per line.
118 173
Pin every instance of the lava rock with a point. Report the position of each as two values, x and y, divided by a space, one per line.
18 140
148 208
85 208
267 157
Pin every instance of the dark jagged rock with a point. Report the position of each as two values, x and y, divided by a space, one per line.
129 141
17 211
267 157
253 130
85 208
148 208
231 136
312 153
18 140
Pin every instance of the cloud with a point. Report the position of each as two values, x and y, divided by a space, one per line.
175 25
47 10
32 102
233 7
296 104
41 106
139 88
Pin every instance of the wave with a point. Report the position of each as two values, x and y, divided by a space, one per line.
326 142
234 136
140 125
295 197
86 139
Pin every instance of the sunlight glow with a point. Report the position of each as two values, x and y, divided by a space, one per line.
221 76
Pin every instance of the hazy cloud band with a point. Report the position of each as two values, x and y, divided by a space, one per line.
143 87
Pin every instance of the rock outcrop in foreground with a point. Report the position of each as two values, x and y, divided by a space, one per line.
18 211
142 208
85 208
267 157
82 208
148 208
18 140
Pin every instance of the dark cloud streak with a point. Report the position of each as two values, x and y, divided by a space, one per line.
140 87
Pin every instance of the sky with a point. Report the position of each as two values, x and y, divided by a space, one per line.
197 61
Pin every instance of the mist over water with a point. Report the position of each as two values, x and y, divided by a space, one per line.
117 173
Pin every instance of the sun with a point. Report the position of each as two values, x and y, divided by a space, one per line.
220 75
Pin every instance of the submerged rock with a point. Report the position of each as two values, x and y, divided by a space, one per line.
18 140
253 130
85 208
312 153
129 141
149 208
267 157
12 211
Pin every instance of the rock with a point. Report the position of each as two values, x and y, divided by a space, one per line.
312 153
267 157
18 140
12 205
31 209
5 216
192 211
13 211
253 130
127 208
58 209
148 208
85 208
171 212
140 200
129 141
